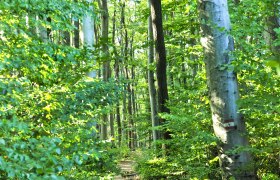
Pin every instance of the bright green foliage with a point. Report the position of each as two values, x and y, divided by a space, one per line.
194 152
37 126
259 83
49 109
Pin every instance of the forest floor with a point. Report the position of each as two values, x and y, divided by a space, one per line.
127 171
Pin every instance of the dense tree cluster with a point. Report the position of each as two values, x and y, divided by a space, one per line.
188 89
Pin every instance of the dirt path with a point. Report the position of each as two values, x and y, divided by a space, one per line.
127 171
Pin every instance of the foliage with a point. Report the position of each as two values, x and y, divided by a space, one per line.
37 125
189 121
45 97
49 109
259 101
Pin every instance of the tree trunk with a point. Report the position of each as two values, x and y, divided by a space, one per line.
112 130
118 118
117 71
124 54
130 114
228 124
105 49
124 112
273 22
67 38
151 82
104 40
133 102
42 31
88 32
49 31
77 33
160 57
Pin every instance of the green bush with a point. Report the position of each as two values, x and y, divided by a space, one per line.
37 125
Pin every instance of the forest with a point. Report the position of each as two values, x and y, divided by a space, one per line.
177 89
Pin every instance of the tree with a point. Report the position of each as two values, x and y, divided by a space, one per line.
273 22
160 57
105 56
117 75
151 80
88 32
76 33
228 124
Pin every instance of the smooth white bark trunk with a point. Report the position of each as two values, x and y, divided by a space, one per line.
88 33
228 124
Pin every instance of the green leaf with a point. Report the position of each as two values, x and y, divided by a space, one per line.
58 151
2 141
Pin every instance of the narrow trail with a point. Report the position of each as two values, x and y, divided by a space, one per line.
127 171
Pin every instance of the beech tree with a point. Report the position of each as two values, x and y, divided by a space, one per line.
228 124
88 32
106 71
50 106
151 80
160 58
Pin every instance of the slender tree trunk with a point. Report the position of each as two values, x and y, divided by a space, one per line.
67 38
49 31
42 31
77 33
124 112
112 130
273 22
130 113
88 32
131 124
124 52
118 118
160 57
88 29
151 82
106 64
228 124
133 101
117 74
104 40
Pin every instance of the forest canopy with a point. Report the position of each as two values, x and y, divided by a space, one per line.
183 89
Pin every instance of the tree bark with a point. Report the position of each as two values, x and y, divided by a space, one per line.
49 31
104 40
42 31
76 37
228 124
118 118
151 82
160 57
106 64
77 33
124 54
67 38
133 101
273 22
112 130
88 32
117 75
